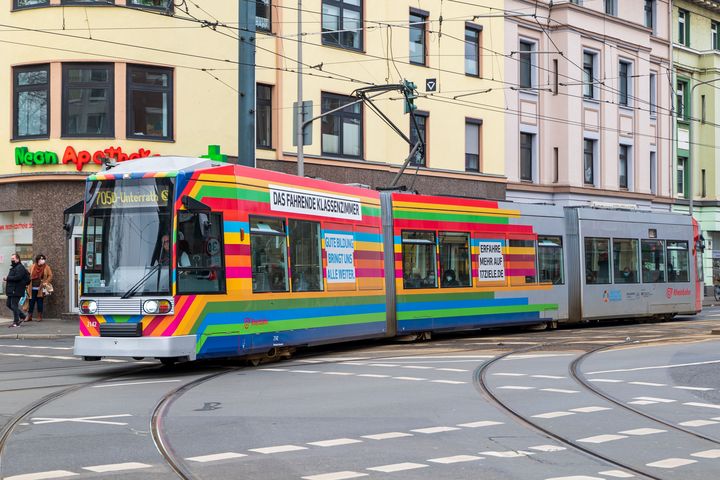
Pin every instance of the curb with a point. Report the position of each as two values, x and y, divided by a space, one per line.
36 336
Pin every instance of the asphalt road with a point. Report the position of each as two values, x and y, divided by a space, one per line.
453 408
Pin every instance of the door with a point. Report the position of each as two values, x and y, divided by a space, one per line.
74 256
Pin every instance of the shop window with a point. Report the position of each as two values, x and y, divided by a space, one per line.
342 23
263 16
678 265
550 260
199 254
166 5
418 37
31 91
342 130
652 256
16 235
149 102
418 259
305 256
422 121
522 259
268 251
263 116
625 260
30 3
88 100
597 261
455 259
86 2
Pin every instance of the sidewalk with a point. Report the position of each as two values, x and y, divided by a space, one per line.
47 329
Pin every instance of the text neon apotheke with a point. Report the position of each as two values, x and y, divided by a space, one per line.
80 158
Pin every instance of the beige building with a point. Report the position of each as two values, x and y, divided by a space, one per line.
86 80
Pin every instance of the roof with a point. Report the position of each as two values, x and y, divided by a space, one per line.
161 164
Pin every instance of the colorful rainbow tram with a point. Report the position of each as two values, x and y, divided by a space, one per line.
187 258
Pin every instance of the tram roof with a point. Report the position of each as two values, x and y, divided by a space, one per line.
160 164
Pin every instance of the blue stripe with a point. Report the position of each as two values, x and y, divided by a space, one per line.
470 323
231 226
368 237
497 302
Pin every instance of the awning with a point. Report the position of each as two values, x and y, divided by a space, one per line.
76 208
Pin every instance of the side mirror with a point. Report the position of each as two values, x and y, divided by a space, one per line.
69 227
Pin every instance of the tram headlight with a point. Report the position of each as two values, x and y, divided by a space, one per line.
88 306
151 306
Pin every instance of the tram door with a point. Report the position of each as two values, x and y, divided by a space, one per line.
74 256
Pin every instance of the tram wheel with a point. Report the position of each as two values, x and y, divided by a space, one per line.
168 361
91 359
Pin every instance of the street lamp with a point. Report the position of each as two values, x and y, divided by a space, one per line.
692 146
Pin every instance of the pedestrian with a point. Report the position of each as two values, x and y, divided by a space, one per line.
40 284
17 279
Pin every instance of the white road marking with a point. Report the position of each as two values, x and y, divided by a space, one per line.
602 438
605 380
575 477
704 405
671 463
648 384
548 448
553 414
508 454
278 449
430 430
642 402
697 423
43 475
417 367
96 419
334 443
398 467
216 457
387 436
510 374
663 367
558 390
551 377
642 431
411 379
304 371
52 357
715 453
655 399
117 467
697 389
515 387
373 375
37 348
273 369
107 385
617 474
353 363
483 423
450 382
338 373
451 370
336 476
391 365
455 459
589 409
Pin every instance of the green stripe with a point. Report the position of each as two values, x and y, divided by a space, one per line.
449 217
446 297
467 312
289 303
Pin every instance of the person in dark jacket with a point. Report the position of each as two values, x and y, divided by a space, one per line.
16 279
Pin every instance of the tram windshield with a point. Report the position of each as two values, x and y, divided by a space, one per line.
127 247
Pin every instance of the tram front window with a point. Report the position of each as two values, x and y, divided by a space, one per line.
127 237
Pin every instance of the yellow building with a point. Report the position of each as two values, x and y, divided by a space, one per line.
90 79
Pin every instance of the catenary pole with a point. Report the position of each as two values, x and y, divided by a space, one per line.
300 116
246 84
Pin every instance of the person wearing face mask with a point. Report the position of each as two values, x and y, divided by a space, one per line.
40 277
16 279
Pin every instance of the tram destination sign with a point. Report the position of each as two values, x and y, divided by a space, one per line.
292 200
132 196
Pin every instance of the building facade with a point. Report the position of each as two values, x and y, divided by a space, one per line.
590 117
92 80
696 55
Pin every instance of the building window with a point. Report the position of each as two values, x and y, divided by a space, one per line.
652 88
421 119
88 101
166 5
199 255
703 112
550 260
653 173
30 3
419 263
342 23
527 152
650 14
714 36
681 100
341 131
589 59
527 74
472 50
589 162
16 237
263 18
611 7
149 102
418 37
624 85
681 168
703 184
31 92
263 116
473 129
684 27
268 255
624 167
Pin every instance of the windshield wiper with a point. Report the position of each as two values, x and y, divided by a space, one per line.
140 282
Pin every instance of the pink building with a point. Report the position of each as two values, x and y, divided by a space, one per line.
589 111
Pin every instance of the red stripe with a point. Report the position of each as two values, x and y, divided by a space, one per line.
520 257
369 272
520 272
178 316
368 255
238 272
433 200
237 249
477 228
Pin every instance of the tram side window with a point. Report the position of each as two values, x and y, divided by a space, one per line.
455 259
268 252
524 260
597 260
200 253
305 256
419 262
653 261
550 260
625 260
677 261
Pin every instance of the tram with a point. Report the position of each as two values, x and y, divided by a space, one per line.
187 258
